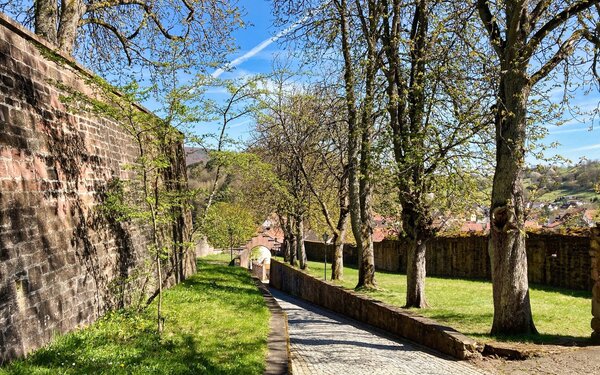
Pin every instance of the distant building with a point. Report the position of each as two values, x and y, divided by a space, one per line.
590 217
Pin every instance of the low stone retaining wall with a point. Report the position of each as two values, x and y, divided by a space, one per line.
392 319
595 253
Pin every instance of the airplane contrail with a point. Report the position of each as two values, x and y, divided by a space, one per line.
262 45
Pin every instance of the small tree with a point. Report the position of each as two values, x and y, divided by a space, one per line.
303 132
228 224
153 194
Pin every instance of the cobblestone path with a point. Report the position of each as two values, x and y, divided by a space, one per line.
325 343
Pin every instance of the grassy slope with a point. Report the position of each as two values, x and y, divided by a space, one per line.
584 195
467 306
216 323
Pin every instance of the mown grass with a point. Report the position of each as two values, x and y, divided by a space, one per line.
561 316
216 323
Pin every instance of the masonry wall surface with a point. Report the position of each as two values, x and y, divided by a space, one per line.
554 260
378 314
595 254
62 264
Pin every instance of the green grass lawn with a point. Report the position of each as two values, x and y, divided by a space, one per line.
216 323
560 315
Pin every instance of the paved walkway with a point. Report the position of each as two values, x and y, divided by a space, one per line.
326 343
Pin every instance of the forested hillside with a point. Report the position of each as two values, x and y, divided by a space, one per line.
552 183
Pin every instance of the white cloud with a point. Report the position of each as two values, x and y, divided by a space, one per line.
216 90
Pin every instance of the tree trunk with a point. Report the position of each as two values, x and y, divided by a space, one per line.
366 270
300 250
512 309
415 275
70 14
415 262
337 262
366 254
293 252
46 19
353 131
292 244
285 247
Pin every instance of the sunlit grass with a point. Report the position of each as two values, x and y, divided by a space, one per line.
560 315
216 323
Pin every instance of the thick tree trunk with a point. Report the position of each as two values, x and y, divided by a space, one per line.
366 271
337 263
512 309
415 275
70 15
46 19
415 262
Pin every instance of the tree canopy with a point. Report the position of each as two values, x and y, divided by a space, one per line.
110 35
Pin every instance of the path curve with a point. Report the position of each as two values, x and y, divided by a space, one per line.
323 343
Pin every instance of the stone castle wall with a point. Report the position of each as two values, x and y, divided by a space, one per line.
62 263
554 260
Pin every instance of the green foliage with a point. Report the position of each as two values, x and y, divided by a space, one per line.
467 305
244 180
228 224
206 333
148 192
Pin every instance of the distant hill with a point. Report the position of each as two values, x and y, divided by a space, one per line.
555 183
194 155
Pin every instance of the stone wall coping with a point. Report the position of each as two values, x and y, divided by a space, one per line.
31 37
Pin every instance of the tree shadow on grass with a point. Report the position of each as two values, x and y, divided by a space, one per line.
586 294
126 343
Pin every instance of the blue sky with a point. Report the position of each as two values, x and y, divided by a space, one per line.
256 51
257 48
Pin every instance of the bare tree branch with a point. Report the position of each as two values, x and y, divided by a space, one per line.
555 22
491 26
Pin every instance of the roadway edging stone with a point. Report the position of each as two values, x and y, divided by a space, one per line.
278 341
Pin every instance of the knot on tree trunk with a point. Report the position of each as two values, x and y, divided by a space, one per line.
503 219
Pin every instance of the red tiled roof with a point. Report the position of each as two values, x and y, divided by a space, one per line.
470 226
